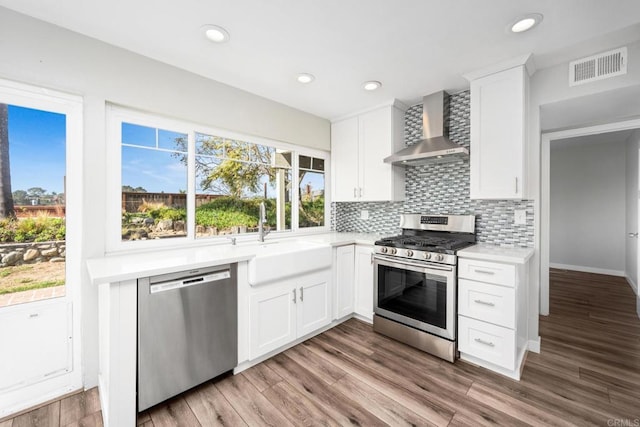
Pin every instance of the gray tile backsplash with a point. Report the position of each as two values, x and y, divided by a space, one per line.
440 189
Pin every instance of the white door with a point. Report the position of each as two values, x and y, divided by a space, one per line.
273 318
344 281
314 308
39 310
364 282
344 160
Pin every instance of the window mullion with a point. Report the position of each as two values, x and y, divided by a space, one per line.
191 186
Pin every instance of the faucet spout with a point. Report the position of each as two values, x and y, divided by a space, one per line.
261 222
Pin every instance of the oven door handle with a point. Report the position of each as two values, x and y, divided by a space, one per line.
413 264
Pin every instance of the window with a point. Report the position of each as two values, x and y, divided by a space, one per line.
311 192
32 209
154 183
179 182
232 179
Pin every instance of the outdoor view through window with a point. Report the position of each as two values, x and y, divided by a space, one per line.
232 178
32 204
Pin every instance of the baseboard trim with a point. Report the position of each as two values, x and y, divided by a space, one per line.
584 269
534 345
631 283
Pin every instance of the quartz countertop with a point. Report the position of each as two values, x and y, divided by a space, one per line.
128 266
497 253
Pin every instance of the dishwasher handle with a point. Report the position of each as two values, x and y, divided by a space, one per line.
189 281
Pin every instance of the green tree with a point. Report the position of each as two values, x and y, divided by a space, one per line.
20 197
36 192
130 189
230 167
6 198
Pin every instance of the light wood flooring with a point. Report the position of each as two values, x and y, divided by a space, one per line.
588 373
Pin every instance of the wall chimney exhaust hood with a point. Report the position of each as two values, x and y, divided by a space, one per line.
435 147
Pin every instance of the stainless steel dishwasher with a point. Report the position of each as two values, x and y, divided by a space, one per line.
187 331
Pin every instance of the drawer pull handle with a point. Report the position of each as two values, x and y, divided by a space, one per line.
479 301
481 341
484 271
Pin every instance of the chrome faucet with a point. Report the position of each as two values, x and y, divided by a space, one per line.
261 222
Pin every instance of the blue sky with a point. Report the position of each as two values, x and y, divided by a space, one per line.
37 144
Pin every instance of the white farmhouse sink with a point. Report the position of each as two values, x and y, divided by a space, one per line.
282 259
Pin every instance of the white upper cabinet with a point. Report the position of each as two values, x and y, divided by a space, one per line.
358 146
498 134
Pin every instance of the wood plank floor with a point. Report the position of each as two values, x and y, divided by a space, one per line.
588 373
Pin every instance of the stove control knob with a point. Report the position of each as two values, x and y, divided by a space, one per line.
409 252
439 257
383 250
427 256
393 251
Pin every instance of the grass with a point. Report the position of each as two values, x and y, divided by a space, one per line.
32 286
31 276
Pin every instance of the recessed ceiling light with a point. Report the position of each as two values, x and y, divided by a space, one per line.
215 33
305 78
526 22
371 85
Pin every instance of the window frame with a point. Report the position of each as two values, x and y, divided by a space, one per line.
116 115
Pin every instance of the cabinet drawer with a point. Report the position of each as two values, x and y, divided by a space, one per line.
485 341
490 272
489 303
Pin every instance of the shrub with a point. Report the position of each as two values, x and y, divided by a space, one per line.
38 229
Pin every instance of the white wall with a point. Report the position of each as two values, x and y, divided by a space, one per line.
44 55
631 264
548 86
588 204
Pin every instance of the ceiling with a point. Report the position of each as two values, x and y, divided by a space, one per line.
414 47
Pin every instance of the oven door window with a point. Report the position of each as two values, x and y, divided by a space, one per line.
417 295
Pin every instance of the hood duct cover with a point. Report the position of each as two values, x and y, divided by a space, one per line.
435 147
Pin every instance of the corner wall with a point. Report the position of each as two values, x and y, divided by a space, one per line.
632 222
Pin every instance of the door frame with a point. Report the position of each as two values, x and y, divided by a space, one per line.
545 190
29 96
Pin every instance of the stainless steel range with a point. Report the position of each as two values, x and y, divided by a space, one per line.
415 279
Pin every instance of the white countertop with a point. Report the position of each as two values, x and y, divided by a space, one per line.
120 267
497 253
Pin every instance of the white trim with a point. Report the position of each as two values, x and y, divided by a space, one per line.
71 106
545 190
631 283
117 114
534 344
586 269
391 103
522 60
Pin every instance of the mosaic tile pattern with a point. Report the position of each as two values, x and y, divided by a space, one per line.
441 189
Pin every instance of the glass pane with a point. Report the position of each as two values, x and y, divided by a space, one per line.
138 135
305 162
228 195
154 199
172 140
209 145
311 199
318 164
33 142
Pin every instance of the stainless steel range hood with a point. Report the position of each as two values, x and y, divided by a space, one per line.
435 147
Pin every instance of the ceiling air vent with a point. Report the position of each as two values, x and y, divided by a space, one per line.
598 67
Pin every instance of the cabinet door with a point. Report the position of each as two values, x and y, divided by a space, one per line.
376 177
273 319
364 282
344 281
498 104
344 160
314 308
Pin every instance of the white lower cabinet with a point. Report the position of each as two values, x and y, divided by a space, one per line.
283 312
364 281
343 279
492 314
